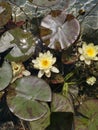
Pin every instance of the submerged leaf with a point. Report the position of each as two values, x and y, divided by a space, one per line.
5 75
89 116
59 30
26 101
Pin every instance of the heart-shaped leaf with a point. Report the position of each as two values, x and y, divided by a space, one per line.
43 122
59 30
5 75
24 45
61 104
5 13
25 101
89 118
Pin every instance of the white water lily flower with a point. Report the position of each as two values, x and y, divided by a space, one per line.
91 80
45 63
88 53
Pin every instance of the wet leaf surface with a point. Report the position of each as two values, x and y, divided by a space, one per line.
5 13
24 45
89 118
25 100
5 75
61 104
43 122
63 30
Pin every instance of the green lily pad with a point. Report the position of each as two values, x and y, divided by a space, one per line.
5 75
26 98
61 104
5 42
18 2
44 3
89 120
5 13
24 45
43 122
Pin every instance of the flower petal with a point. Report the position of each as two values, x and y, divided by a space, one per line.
95 58
53 60
84 46
26 73
80 50
48 74
40 73
88 62
54 69
82 58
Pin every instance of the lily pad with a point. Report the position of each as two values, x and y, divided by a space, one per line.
61 104
89 120
5 42
18 2
24 45
45 3
59 30
43 122
26 97
5 13
5 75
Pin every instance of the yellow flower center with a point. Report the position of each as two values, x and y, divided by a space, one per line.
45 63
90 52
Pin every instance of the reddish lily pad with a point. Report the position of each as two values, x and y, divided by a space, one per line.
59 30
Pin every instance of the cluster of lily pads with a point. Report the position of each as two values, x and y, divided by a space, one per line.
46 65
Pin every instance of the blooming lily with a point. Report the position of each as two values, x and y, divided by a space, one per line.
45 63
88 53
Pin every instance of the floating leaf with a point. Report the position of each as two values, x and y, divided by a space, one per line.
43 122
5 13
45 3
89 118
50 3
5 75
24 45
18 2
61 104
5 42
59 30
26 100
